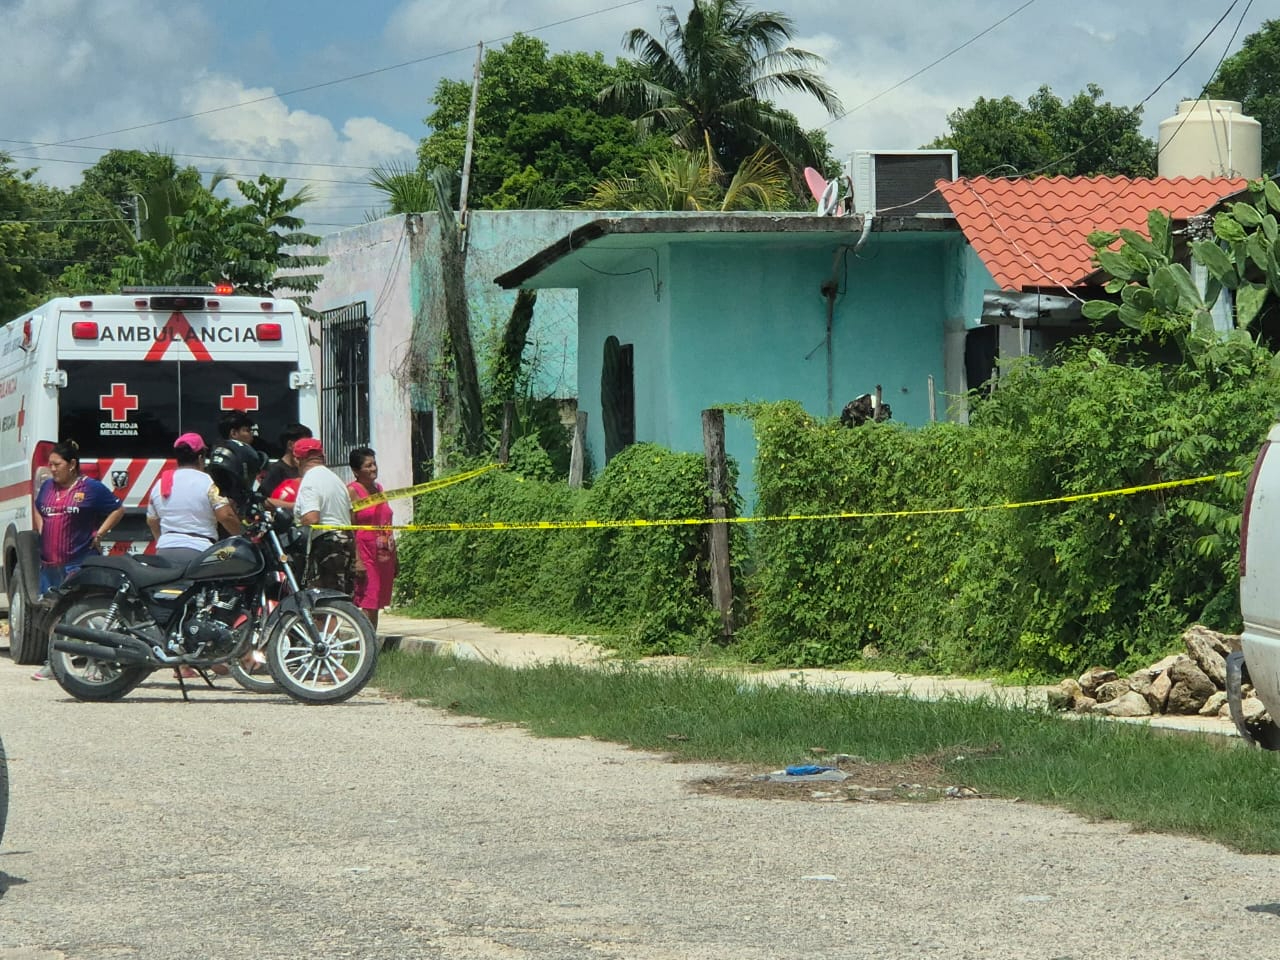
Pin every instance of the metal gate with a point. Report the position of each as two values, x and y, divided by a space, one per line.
344 382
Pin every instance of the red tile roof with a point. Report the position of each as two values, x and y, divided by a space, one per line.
1031 233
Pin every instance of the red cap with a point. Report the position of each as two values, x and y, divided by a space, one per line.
306 448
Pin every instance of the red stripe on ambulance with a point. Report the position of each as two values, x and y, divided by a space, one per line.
177 329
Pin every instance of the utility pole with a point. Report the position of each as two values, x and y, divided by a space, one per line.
471 139
133 206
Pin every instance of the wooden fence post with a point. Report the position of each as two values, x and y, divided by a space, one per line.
718 533
508 419
578 452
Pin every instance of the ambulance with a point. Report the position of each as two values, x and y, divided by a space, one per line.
123 375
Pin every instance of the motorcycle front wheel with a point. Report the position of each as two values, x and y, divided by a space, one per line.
333 666
84 677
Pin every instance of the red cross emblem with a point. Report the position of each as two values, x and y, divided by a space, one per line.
118 402
22 415
239 399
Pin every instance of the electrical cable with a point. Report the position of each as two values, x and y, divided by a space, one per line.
929 66
346 79
1140 105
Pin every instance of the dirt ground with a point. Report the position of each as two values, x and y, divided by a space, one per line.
914 778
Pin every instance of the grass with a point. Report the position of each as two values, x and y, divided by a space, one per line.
1198 785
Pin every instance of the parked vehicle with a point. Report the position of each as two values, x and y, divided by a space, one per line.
1258 660
118 619
122 375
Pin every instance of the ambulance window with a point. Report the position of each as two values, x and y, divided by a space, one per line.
261 389
119 408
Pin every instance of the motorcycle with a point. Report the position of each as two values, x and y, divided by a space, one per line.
118 619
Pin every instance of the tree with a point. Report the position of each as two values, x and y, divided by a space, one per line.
29 249
99 212
406 190
692 181
1252 76
708 80
538 135
1080 138
255 245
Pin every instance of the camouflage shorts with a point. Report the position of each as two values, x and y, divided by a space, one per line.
332 561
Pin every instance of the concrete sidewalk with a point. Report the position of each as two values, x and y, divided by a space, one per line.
475 641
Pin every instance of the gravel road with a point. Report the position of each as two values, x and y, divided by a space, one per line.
240 826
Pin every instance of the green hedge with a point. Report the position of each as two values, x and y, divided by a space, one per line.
1037 590
646 585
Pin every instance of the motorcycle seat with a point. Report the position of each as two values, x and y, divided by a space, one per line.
154 571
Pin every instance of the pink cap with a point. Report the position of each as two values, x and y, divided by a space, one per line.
192 440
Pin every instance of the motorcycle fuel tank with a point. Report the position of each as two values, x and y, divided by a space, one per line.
229 559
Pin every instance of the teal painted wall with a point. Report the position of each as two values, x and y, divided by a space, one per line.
746 320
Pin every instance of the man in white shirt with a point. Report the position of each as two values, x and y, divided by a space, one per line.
323 500
185 506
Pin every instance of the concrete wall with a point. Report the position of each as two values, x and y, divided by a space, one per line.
371 264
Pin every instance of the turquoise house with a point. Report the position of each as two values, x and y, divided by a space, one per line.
685 311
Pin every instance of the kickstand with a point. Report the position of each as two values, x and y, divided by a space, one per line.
204 675
182 685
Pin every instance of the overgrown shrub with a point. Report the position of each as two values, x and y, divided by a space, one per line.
645 585
1036 590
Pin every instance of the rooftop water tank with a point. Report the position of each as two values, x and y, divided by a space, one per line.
1210 138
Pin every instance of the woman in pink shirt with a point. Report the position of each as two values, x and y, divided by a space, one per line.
376 562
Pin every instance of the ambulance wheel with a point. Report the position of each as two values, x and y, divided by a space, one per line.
28 643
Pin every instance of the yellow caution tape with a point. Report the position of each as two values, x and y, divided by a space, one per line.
704 521
403 493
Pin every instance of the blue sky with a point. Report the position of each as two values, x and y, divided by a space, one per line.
80 68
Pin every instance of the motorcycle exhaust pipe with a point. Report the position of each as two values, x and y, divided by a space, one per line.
97 651
107 637
118 646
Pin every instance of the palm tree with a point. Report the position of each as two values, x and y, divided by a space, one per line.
405 188
708 80
692 181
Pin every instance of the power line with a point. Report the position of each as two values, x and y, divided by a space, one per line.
232 174
1084 214
1101 136
930 66
346 79
196 156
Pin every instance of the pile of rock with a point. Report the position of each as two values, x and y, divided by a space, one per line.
1193 683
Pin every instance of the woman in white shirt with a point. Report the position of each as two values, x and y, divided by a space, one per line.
186 506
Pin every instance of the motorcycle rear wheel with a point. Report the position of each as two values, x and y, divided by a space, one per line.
256 678
84 677
336 671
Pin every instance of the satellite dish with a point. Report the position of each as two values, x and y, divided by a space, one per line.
815 181
830 198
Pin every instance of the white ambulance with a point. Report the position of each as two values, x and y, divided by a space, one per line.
123 375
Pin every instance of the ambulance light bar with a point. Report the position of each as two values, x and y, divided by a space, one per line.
222 289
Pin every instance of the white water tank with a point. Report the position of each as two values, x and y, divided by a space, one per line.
1210 138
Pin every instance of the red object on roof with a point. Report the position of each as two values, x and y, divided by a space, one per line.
1031 233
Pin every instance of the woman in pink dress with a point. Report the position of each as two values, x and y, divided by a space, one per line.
375 549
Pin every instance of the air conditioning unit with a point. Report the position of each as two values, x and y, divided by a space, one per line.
899 183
